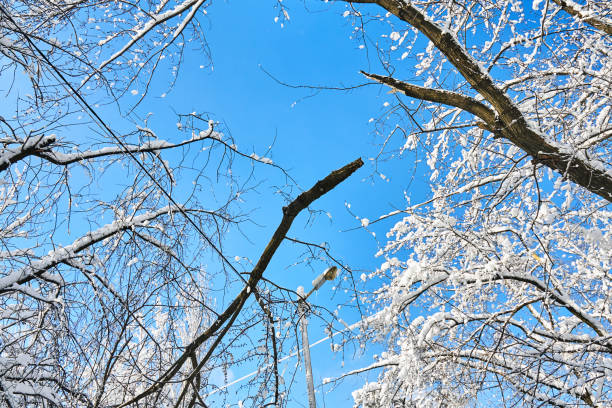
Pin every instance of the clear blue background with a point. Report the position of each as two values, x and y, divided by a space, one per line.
313 131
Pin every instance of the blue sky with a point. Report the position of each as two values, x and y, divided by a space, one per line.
311 132
314 133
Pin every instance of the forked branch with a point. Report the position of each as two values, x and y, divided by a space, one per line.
225 320
513 125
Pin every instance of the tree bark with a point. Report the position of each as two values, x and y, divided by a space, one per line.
509 122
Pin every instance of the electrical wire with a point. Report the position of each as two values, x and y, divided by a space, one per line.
293 354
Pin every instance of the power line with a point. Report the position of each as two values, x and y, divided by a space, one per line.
295 353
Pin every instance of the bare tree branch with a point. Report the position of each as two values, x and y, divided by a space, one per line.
231 312
513 125
40 146
440 96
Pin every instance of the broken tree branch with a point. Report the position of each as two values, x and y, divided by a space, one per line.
226 319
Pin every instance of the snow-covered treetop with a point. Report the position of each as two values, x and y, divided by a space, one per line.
495 290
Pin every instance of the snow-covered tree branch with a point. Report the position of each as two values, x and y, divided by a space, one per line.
495 289
111 230
508 122
491 287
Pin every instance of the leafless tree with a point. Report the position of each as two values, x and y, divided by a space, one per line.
111 241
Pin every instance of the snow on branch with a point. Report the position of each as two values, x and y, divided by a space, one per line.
513 125
27 148
587 16
40 267
154 21
40 146
440 96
